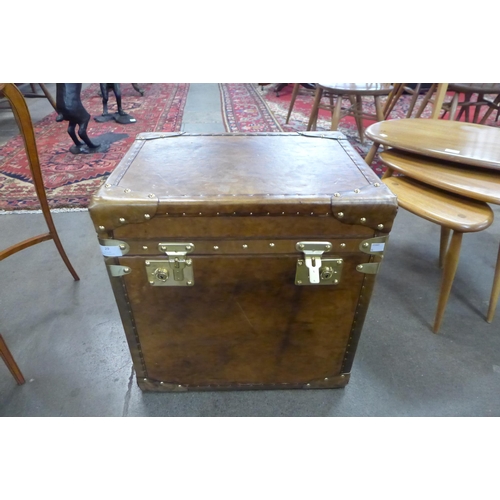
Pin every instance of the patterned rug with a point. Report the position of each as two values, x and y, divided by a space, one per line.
70 180
248 107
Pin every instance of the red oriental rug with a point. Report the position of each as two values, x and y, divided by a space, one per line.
248 107
71 180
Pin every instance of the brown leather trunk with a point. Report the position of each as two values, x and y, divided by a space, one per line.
242 261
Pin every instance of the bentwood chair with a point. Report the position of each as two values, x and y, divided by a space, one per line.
23 119
420 151
354 92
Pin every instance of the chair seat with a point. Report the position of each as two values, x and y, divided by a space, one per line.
475 88
368 89
455 212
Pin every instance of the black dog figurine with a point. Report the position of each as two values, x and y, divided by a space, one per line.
70 108
121 116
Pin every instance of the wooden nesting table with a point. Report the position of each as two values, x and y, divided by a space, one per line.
461 158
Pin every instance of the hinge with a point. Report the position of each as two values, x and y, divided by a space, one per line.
177 270
374 246
314 269
113 248
118 270
368 268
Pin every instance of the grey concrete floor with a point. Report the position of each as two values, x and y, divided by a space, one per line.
68 339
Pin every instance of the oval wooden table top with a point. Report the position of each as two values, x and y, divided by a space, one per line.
477 183
459 142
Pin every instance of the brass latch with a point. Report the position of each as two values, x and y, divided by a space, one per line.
313 269
176 271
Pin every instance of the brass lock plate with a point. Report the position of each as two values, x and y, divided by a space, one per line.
330 272
173 272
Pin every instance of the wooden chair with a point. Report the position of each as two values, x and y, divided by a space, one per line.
481 91
23 118
355 93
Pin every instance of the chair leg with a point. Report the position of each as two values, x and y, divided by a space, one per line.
315 109
357 111
295 92
413 102
336 113
495 291
450 268
23 118
371 153
443 244
492 107
10 362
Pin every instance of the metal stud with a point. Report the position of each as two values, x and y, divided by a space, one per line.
342 245
244 246
122 220
126 190
216 247
151 195
337 195
363 220
377 184
101 228
366 245
144 247
271 244
359 267
380 226
340 215
356 191
107 185
148 263
147 216
122 247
